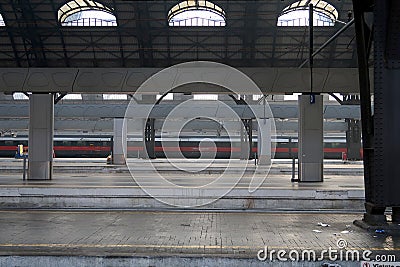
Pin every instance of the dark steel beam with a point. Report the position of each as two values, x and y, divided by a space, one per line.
338 33
144 36
373 212
249 35
60 34
29 31
121 49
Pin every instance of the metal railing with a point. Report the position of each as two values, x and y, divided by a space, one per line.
303 22
90 22
197 21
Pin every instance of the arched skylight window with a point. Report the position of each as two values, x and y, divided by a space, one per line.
2 24
86 13
297 14
196 13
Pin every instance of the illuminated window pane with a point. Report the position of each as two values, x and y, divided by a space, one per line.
291 97
205 97
73 97
196 14
20 96
297 14
86 13
2 24
257 97
169 96
331 98
115 97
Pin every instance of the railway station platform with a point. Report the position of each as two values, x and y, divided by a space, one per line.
94 214
190 238
90 183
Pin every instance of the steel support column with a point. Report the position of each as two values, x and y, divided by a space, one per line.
353 139
374 207
119 142
41 131
311 135
149 139
384 186
246 139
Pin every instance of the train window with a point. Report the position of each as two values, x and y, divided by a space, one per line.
80 143
9 143
66 143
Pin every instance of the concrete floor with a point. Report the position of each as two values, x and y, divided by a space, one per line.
198 234
88 183
169 236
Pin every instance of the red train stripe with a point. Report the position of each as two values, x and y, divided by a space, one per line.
172 149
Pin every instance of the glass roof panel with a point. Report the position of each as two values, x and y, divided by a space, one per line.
2 23
86 13
297 14
196 13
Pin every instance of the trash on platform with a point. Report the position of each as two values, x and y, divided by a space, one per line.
345 232
379 231
323 224
317 231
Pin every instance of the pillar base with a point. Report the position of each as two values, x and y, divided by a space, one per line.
264 160
118 159
396 215
40 170
374 219
374 215
311 172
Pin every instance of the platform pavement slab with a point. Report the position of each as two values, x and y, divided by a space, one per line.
185 233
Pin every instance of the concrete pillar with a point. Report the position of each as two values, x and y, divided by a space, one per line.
120 142
264 142
311 141
41 131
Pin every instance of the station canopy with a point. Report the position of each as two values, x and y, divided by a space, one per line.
131 33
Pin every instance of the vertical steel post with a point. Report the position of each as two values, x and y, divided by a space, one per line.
311 42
